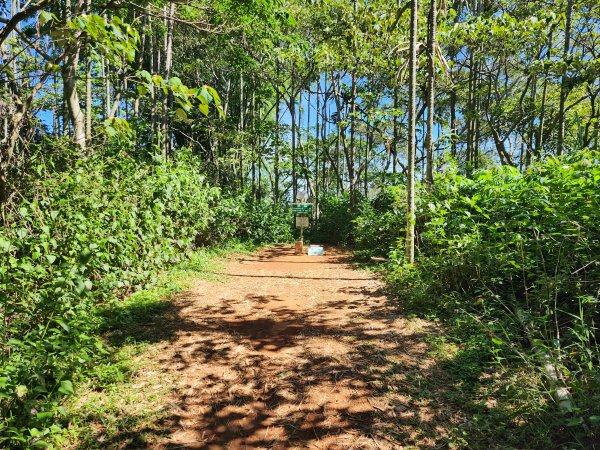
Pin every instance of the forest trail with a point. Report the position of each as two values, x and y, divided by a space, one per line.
292 351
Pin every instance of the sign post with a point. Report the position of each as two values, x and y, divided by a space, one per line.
302 211
302 208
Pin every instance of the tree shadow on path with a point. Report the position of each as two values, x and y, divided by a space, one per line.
255 367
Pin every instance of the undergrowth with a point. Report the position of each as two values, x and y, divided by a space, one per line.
112 405
88 234
508 263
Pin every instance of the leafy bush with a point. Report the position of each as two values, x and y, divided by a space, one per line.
530 241
99 228
373 230
335 221
380 223
518 253
267 222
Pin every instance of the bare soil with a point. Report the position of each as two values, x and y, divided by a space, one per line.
291 351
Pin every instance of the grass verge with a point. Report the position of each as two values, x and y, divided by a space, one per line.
113 406
494 389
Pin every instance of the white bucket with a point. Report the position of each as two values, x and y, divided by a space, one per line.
315 250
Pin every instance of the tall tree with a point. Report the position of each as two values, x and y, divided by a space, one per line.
354 81
69 76
88 84
431 48
412 133
168 52
564 88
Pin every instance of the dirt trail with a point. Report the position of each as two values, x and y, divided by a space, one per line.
294 352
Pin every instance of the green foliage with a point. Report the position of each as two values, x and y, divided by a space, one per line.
510 262
184 96
335 221
264 221
97 229
374 230
115 39
380 223
529 239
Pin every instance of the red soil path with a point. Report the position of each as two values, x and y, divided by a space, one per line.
292 351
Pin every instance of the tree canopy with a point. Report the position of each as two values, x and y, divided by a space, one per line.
403 122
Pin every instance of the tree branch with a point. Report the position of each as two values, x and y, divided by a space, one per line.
19 17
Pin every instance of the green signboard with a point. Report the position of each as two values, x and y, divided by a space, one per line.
302 208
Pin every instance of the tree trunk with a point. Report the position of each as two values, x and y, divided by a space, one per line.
431 44
292 108
69 75
564 90
88 99
65 107
352 149
318 110
453 124
155 67
15 7
107 94
470 119
412 135
540 133
23 107
308 135
338 141
277 143
88 85
476 111
55 109
396 131
241 129
368 152
324 135
253 142
531 131
351 174
166 132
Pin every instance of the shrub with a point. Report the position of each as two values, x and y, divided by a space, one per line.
519 254
509 261
267 222
334 225
100 228
380 223
529 240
